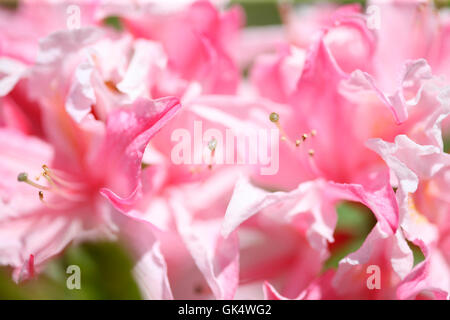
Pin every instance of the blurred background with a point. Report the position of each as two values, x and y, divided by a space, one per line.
107 268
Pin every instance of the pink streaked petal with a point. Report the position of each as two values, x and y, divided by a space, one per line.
270 293
276 76
121 203
40 234
378 197
321 288
128 131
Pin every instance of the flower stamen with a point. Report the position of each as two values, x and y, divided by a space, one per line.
212 145
275 118
23 177
69 190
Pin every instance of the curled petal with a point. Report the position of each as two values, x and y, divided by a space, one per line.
128 131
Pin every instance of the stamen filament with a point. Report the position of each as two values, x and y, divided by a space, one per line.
274 117
51 205
23 177
61 181
56 185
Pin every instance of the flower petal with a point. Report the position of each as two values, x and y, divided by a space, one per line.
150 269
128 131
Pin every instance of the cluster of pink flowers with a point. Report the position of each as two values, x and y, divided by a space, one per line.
359 99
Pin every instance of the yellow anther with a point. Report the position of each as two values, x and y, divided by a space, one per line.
22 177
274 117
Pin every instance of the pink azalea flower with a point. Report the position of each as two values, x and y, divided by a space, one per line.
331 109
422 179
308 215
60 182
23 27
88 149
78 85
389 250
187 202
297 77
187 217
199 41
90 79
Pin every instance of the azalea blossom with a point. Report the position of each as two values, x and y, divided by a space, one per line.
413 111
62 186
220 155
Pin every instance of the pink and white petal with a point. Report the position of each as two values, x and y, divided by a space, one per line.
150 269
81 95
377 245
311 98
270 293
247 200
11 71
320 288
414 74
276 75
431 276
40 235
31 21
27 227
307 206
20 153
57 58
411 163
431 131
317 197
128 131
142 70
217 116
416 31
216 257
378 197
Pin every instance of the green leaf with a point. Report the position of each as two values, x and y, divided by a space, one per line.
114 22
355 221
417 253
